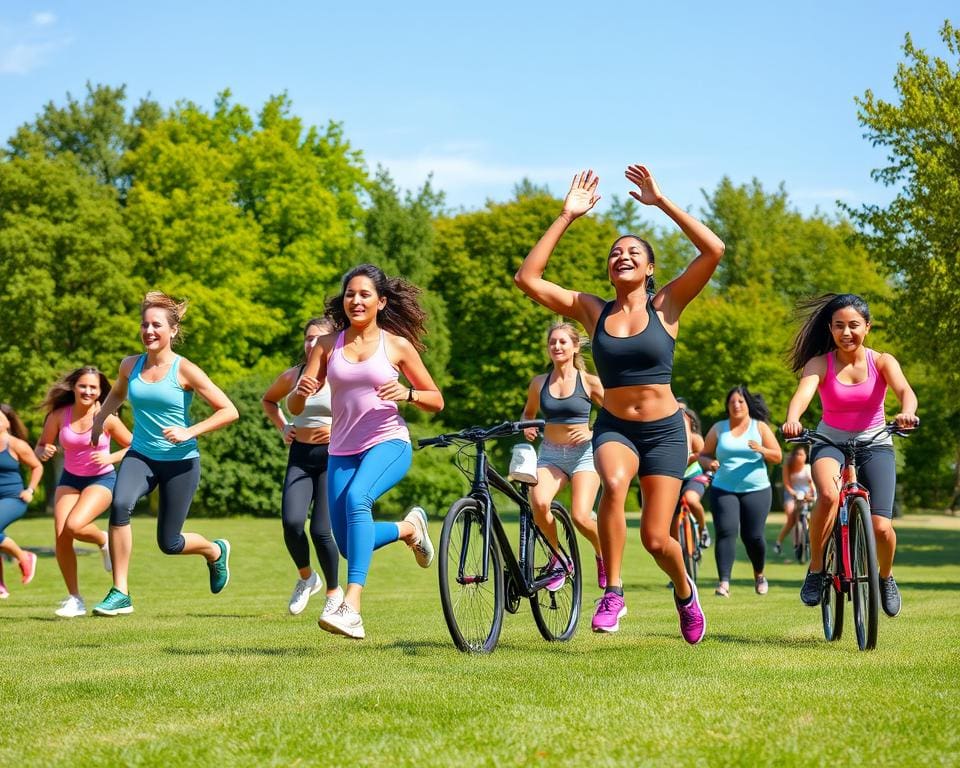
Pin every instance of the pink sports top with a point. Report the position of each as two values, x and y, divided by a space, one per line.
77 451
853 407
361 419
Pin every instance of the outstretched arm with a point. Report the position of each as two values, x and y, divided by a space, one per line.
682 290
531 407
810 378
529 278
893 374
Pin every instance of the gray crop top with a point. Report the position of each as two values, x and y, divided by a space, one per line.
316 411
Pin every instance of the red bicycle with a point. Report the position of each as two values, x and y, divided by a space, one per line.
850 554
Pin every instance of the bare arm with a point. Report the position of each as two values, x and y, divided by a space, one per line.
25 455
708 454
224 411
314 374
422 392
696 445
529 278
270 402
118 393
893 374
532 405
119 433
768 447
594 389
681 291
810 378
47 444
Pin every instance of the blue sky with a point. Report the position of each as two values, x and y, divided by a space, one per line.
485 94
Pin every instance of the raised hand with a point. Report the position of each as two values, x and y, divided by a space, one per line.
649 193
582 195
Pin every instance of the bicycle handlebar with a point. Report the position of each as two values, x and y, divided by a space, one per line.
479 434
812 436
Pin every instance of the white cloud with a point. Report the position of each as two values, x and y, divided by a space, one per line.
44 19
21 59
453 171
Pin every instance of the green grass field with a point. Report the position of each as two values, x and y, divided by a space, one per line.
196 679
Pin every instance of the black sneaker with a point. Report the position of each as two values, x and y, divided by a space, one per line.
812 590
890 596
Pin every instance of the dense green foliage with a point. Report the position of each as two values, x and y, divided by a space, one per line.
253 218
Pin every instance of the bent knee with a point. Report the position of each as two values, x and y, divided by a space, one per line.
171 546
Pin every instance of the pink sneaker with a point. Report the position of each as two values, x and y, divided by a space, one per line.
610 609
561 573
28 567
601 573
693 624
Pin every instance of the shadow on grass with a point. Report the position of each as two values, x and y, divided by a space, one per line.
417 647
244 651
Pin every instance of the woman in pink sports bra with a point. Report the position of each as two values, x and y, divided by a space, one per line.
85 488
378 325
852 382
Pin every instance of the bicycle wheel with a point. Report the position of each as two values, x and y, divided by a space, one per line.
472 608
556 612
804 555
865 590
688 546
831 604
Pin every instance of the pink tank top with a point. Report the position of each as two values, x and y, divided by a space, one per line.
361 419
77 451
853 407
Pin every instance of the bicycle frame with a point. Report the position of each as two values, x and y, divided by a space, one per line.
849 490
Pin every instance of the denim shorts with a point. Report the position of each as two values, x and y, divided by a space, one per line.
569 459
78 482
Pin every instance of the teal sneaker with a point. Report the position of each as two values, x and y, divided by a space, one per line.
220 568
114 604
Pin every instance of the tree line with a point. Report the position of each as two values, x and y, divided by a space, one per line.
254 217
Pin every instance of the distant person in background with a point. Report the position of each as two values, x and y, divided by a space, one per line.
85 488
305 482
797 486
14 498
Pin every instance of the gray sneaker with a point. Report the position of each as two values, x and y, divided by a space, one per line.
890 596
343 621
423 547
303 591
811 593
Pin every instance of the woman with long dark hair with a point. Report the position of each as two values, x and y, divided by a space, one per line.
830 354
738 450
640 429
85 488
379 327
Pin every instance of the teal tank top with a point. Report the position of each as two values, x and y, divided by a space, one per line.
11 481
741 469
157 406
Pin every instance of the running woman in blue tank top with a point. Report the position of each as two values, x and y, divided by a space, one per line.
14 498
160 385
640 428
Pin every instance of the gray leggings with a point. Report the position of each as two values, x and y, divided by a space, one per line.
176 482
305 484
746 511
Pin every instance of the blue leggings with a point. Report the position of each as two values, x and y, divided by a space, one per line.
12 508
353 484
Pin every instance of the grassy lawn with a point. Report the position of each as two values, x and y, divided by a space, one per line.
196 679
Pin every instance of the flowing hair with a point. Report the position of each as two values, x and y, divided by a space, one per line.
17 427
756 406
576 338
651 285
402 314
814 337
61 393
176 310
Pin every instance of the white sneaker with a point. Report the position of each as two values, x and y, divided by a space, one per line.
333 602
423 547
71 607
302 592
343 621
105 555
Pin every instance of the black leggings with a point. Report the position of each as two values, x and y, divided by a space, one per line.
306 483
177 481
746 511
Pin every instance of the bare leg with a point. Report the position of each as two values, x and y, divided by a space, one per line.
886 538
789 509
66 557
584 487
121 545
617 465
550 481
660 495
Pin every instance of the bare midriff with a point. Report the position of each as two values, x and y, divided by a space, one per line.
313 435
566 434
644 402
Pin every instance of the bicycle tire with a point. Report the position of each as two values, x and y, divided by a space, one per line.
472 609
556 612
688 547
801 539
805 552
865 589
831 603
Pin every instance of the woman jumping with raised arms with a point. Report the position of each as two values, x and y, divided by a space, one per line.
640 430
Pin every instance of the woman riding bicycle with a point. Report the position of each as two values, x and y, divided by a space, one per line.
797 486
564 396
852 381
639 430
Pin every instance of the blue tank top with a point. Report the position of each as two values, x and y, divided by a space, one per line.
644 358
574 409
11 481
156 406
741 468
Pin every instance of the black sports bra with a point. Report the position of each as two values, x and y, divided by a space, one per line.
574 409
645 358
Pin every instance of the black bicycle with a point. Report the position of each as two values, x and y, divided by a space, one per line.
850 553
480 575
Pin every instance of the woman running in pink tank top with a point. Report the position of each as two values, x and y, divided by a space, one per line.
85 488
379 325
852 380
